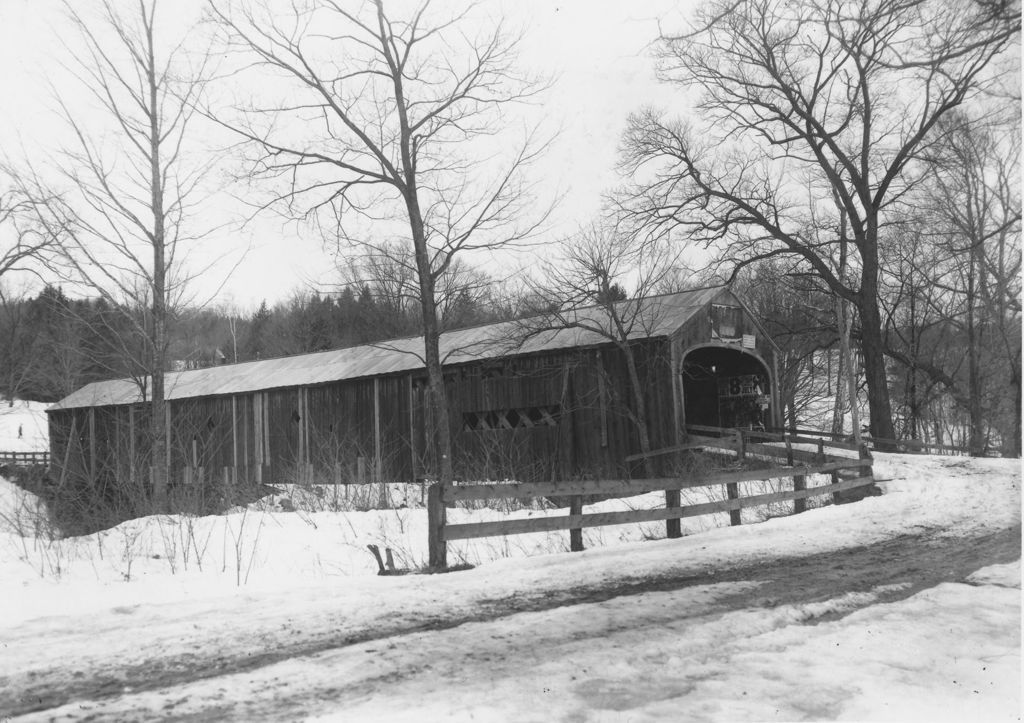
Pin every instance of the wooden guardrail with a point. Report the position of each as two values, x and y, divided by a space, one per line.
442 496
25 459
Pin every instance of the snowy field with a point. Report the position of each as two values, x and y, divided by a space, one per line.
30 419
900 607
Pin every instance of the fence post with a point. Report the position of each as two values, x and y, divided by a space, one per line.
732 489
673 528
865 453
799 482
575 533
837 497
436 518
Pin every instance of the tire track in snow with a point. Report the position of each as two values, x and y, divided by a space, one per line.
901 566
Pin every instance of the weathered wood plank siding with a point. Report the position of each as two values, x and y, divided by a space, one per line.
334 429
556 416
393 425
507 418
201 434
283 433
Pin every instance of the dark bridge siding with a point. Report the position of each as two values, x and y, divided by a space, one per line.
331 426
342 430
590 389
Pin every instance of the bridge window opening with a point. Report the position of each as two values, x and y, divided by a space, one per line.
521 417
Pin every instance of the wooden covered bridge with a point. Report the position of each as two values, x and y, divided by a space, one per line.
538 406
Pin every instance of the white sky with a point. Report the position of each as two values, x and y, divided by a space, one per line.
596 49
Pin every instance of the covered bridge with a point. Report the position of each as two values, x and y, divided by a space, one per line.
524 403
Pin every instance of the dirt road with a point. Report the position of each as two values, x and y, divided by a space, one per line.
488 640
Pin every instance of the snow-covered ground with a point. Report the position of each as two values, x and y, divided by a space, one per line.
30 419
900 607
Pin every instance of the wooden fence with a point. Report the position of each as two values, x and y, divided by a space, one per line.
846 473
25 459
838 440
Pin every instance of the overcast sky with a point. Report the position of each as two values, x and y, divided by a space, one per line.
597 52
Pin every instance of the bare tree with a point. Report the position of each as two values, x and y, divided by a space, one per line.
906 317
922 333
388 273
963 278
22 243
381 118
599 280
978 196
841 99
462 293
797 314
124 204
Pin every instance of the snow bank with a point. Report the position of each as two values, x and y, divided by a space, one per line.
174 557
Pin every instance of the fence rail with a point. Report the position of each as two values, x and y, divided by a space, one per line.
25 459
846 473
839 440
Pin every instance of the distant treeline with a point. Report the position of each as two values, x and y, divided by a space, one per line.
51 344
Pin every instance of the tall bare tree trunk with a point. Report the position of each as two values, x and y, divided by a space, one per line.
913 412
873 347
1015 384
437 398
976 438
845 323
639 409
158 361
840 403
